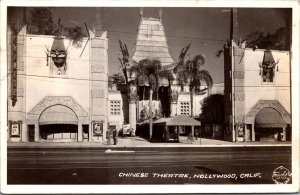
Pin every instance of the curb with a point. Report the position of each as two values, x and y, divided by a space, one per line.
18 145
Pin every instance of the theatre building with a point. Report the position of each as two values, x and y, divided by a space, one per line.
56 91
257 94
170 99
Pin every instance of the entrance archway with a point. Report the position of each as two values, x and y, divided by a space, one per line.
58 123
164 98
269 125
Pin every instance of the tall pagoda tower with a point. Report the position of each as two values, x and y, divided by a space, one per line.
151 43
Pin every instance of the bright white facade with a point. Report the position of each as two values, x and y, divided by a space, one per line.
57 101
257 95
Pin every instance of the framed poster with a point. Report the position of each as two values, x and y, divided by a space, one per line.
98 128
15 129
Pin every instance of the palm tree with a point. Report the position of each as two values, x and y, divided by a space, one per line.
192 74
146 72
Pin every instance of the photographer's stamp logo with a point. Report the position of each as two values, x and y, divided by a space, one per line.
281 175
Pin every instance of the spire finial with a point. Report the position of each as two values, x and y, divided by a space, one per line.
141 12
160 13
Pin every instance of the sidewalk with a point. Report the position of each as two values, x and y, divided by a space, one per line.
124 142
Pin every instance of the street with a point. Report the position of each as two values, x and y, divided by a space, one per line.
146 165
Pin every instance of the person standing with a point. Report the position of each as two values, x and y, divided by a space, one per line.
108 136
115 136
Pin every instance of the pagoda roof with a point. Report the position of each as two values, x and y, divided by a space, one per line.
151 42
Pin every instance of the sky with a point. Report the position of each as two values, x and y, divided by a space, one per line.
207 29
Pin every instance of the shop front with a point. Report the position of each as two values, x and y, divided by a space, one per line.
58 123
58 119
269 125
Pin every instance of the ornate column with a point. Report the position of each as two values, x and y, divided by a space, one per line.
132 98
36 132
245 132
79 132
98 82
24 133
174 99
253 133
283 134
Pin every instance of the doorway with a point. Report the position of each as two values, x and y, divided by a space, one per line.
30 133
59 132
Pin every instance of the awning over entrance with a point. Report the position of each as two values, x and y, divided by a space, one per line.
269 118
179 120
58 114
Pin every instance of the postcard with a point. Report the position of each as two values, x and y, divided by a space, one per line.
149 97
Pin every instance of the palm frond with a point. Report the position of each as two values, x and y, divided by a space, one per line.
204 75
76 35
199 60
219 53
168 74
146 71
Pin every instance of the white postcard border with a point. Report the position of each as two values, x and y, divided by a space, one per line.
32 189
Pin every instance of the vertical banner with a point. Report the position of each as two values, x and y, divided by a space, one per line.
13 64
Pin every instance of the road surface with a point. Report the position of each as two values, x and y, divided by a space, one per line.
230 165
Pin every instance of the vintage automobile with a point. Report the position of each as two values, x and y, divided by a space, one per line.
127 130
